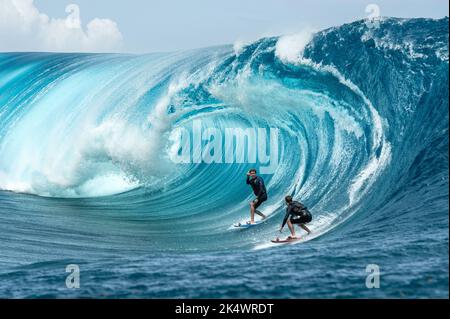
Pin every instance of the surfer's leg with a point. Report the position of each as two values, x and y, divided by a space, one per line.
305 228
252 212
260 201
291 228
260 214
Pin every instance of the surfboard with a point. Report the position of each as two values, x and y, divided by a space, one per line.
245 225
284 241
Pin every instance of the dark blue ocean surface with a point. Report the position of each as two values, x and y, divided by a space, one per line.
87 175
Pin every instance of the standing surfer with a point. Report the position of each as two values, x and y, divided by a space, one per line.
259 189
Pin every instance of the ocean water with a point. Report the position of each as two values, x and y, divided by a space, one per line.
87 175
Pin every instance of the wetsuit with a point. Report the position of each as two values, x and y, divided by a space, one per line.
259 189
298 212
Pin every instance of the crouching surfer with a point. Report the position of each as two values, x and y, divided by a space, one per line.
259 189
296 213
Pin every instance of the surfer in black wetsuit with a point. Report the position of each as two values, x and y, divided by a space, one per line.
296 213
259 189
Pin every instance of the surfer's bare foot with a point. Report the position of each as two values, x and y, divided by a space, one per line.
291 237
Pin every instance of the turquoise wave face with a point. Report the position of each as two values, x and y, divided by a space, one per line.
349 108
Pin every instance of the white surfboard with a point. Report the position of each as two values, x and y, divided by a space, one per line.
248 225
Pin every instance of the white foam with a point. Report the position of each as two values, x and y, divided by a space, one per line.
318 227
239 46
87 158
289 48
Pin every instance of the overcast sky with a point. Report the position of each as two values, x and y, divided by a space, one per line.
166 25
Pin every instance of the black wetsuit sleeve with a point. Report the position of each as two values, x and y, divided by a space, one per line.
288 212
248 180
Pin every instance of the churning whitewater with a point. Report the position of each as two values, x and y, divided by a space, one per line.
87 143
